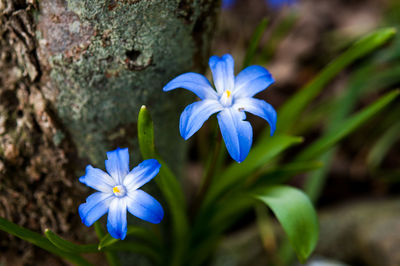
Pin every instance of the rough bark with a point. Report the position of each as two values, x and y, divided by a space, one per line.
73 75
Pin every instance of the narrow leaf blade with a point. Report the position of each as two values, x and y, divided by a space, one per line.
167 182
282 173
145 133
40 241
68 246
254 42
346 127
291 110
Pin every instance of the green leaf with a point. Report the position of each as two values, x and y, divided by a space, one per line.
338 128
259 155
146 133
382 146
167 182
295 212
368 78
254 42
315 181
40 241
225 212
142 233
292 109
98 228
346 127
282 173
69 246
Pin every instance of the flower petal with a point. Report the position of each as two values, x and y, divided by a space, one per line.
116 220
194 82
237 133
142 174
96 206
222 69
277 4
144 206
195 114
258 107
117 164
97 179
227 3
251 81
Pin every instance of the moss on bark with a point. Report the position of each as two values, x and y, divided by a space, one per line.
107 58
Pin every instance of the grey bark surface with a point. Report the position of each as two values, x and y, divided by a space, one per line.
73 76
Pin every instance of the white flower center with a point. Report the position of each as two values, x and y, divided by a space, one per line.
119 191
226 98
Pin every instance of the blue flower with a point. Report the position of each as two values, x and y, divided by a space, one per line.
275 4
228 3
233 96
118 191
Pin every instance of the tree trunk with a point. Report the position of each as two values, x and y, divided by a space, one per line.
73 76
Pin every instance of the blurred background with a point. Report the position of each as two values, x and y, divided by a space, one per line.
355 186
358 196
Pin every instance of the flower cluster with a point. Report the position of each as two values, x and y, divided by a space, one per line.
118 189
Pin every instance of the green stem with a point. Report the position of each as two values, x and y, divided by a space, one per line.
111 257
210 171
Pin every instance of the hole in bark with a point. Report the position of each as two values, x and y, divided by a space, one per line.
20 4
132 55
20 113
136 61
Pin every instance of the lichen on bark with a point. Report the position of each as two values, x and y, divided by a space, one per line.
126 51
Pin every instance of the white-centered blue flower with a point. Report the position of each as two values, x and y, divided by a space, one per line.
118 191
231 99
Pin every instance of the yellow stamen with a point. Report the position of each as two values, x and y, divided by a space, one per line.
228 93
116 190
